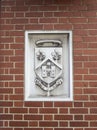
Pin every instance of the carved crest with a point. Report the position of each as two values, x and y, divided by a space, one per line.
48 65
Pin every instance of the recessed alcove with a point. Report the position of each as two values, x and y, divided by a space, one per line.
48 66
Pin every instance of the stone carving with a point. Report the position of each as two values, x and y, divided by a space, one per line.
40 55
48 71
56 55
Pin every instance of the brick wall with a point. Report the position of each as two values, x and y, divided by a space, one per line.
80 16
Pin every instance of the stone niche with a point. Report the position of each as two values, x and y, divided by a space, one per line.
48 66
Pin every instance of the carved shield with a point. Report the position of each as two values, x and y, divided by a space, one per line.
48 66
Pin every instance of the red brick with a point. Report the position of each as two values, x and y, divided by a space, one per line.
90 128
90 91
48 117
78 6
18 2
93 84
81 97
6 104
33 2
63 20
62 104
78 39
16 71
8 3
93 32
81 71
90 2
18 117
89 14
20 40
81 84
34 128
18 123
7 27
49 7
78 117
19 90
48 128
18 104
19 14
48 104
19 8
91 117
63 26
6 65
78 110
19 65
78 104
6 77
93 58
19 77
79 124
48 20
48 110
93 110
63 117
93 97
63 128
90 77
78 91
16 97
63 124
33 104
18 110
1 123
7 128
93 124
6 117
48 124
6 90
33 123
92 20
48 14
34 20
62 2
77 77
33 110
32 117
63 110
90 104
92 7
19 21
16 84
34 14
16 58
78 20
34 27
89 26
81 33
18 128
48 26
19 27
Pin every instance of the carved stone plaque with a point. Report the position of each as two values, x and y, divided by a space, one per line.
48 66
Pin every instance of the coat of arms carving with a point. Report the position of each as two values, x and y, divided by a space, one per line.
48 65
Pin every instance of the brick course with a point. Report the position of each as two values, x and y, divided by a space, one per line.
16 16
